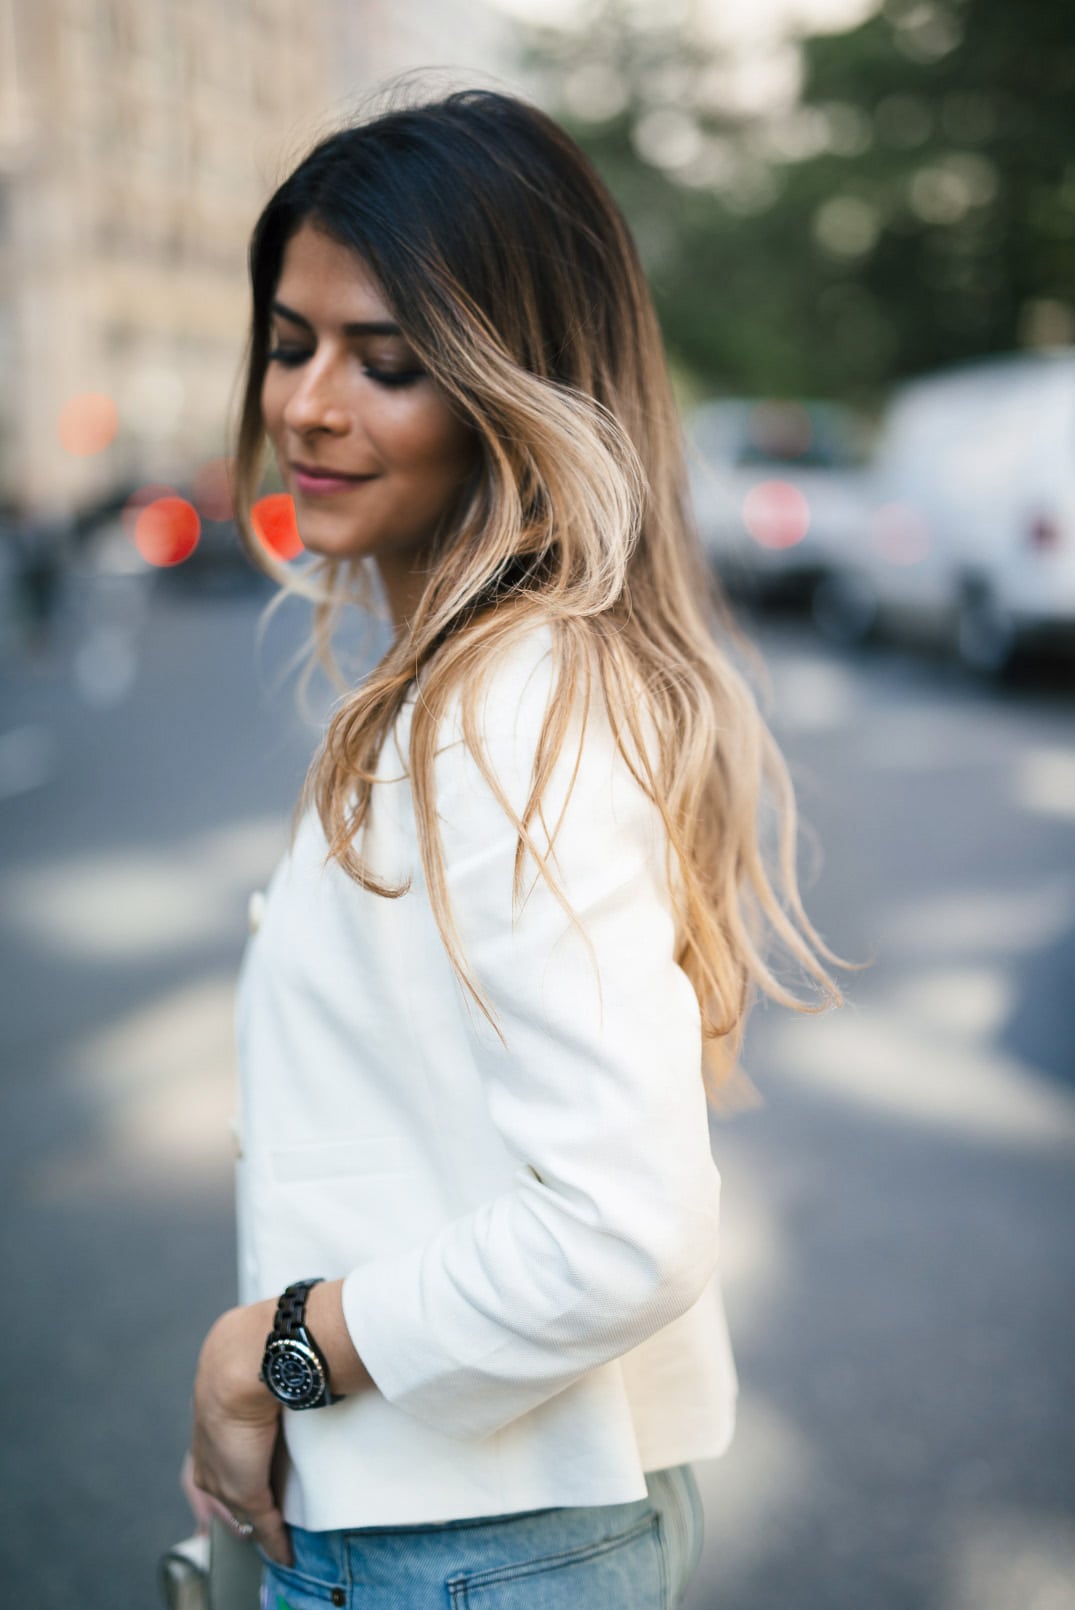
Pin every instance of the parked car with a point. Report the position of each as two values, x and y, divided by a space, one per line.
971 533
777 491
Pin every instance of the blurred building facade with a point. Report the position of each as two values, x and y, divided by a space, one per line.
138 141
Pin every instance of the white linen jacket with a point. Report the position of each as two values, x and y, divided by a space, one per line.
527 1224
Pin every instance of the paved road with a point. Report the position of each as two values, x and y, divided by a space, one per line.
897 1247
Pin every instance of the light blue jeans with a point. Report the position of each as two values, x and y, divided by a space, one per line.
637 1556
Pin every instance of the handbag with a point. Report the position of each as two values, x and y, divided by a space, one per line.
211 1571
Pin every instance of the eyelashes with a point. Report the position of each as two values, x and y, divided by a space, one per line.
394 377
292 357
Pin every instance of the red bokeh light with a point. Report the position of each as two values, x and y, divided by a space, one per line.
166 531
776 514
212 490
87 424
141 499
274 523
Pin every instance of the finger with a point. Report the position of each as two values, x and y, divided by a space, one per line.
242 1528
271 1532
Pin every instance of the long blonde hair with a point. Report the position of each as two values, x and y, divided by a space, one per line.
516 282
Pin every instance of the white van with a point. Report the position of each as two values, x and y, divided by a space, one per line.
972 522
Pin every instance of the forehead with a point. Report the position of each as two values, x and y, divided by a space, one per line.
329 282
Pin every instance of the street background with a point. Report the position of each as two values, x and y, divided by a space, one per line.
824 214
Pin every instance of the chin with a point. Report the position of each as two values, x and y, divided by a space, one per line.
328 543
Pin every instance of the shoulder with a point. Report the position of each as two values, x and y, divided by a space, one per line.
507 698
534 732
497 706
529 692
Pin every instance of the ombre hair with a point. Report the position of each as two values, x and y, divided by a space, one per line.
516 283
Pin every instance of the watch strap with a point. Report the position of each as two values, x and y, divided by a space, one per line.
290 1318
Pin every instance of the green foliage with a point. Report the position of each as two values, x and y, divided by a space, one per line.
916 208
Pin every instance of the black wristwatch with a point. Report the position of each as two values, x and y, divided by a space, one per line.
294 1368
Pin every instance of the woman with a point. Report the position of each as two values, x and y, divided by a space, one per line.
477 1204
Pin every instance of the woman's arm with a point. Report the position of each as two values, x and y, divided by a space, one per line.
237 1419
609 1231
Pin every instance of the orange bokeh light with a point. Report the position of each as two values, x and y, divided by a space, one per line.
212 490
166 531
776 514
275 525
87 424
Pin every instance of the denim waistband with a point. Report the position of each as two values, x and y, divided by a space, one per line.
639 1556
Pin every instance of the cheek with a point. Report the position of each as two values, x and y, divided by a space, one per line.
441 446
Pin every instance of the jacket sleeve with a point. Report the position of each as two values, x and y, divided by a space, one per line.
610 1230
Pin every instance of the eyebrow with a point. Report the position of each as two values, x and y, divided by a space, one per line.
369 327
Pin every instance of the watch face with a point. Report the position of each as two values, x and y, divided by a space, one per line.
293 1373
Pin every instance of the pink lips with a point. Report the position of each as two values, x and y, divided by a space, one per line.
322 483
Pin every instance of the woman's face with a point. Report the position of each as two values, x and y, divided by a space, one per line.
368 447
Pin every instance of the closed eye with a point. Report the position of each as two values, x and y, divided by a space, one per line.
290 356
394 377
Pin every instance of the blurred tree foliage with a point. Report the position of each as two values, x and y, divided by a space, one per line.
913 206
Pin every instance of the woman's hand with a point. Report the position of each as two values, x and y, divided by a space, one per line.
236 1426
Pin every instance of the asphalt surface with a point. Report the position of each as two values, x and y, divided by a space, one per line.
899 1203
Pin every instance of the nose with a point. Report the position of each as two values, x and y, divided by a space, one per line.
316 403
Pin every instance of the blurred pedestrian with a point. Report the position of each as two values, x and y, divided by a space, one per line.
41 548
477 1202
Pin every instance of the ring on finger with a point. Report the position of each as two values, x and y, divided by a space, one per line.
240 1528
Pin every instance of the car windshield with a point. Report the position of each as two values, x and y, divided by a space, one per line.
771 433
